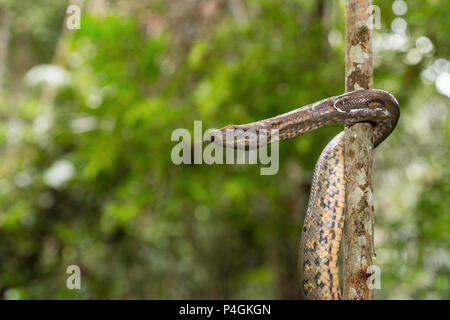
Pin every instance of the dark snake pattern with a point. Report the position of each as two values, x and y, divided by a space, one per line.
321 237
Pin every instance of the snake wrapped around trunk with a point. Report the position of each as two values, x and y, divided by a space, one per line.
321 236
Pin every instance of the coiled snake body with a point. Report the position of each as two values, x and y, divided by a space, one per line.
324 220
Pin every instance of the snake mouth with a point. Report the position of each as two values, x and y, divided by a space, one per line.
240 137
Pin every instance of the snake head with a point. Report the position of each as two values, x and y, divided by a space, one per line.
240 137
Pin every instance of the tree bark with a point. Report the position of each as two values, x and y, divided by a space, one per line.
358 230
5 23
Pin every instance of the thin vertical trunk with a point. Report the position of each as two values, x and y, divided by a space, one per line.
238 11
5 24
358 233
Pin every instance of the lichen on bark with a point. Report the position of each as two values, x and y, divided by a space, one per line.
358 233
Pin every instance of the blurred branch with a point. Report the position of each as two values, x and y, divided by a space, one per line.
238 11
5 23
358 233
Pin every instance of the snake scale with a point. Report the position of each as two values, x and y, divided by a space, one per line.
321 236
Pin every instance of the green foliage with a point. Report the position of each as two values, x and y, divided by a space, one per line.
86 176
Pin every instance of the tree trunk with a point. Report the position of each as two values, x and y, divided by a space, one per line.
5 23
358 232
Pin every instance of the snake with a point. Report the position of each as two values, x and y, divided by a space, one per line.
321 236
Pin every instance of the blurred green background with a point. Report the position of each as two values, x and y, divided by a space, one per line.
86 176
